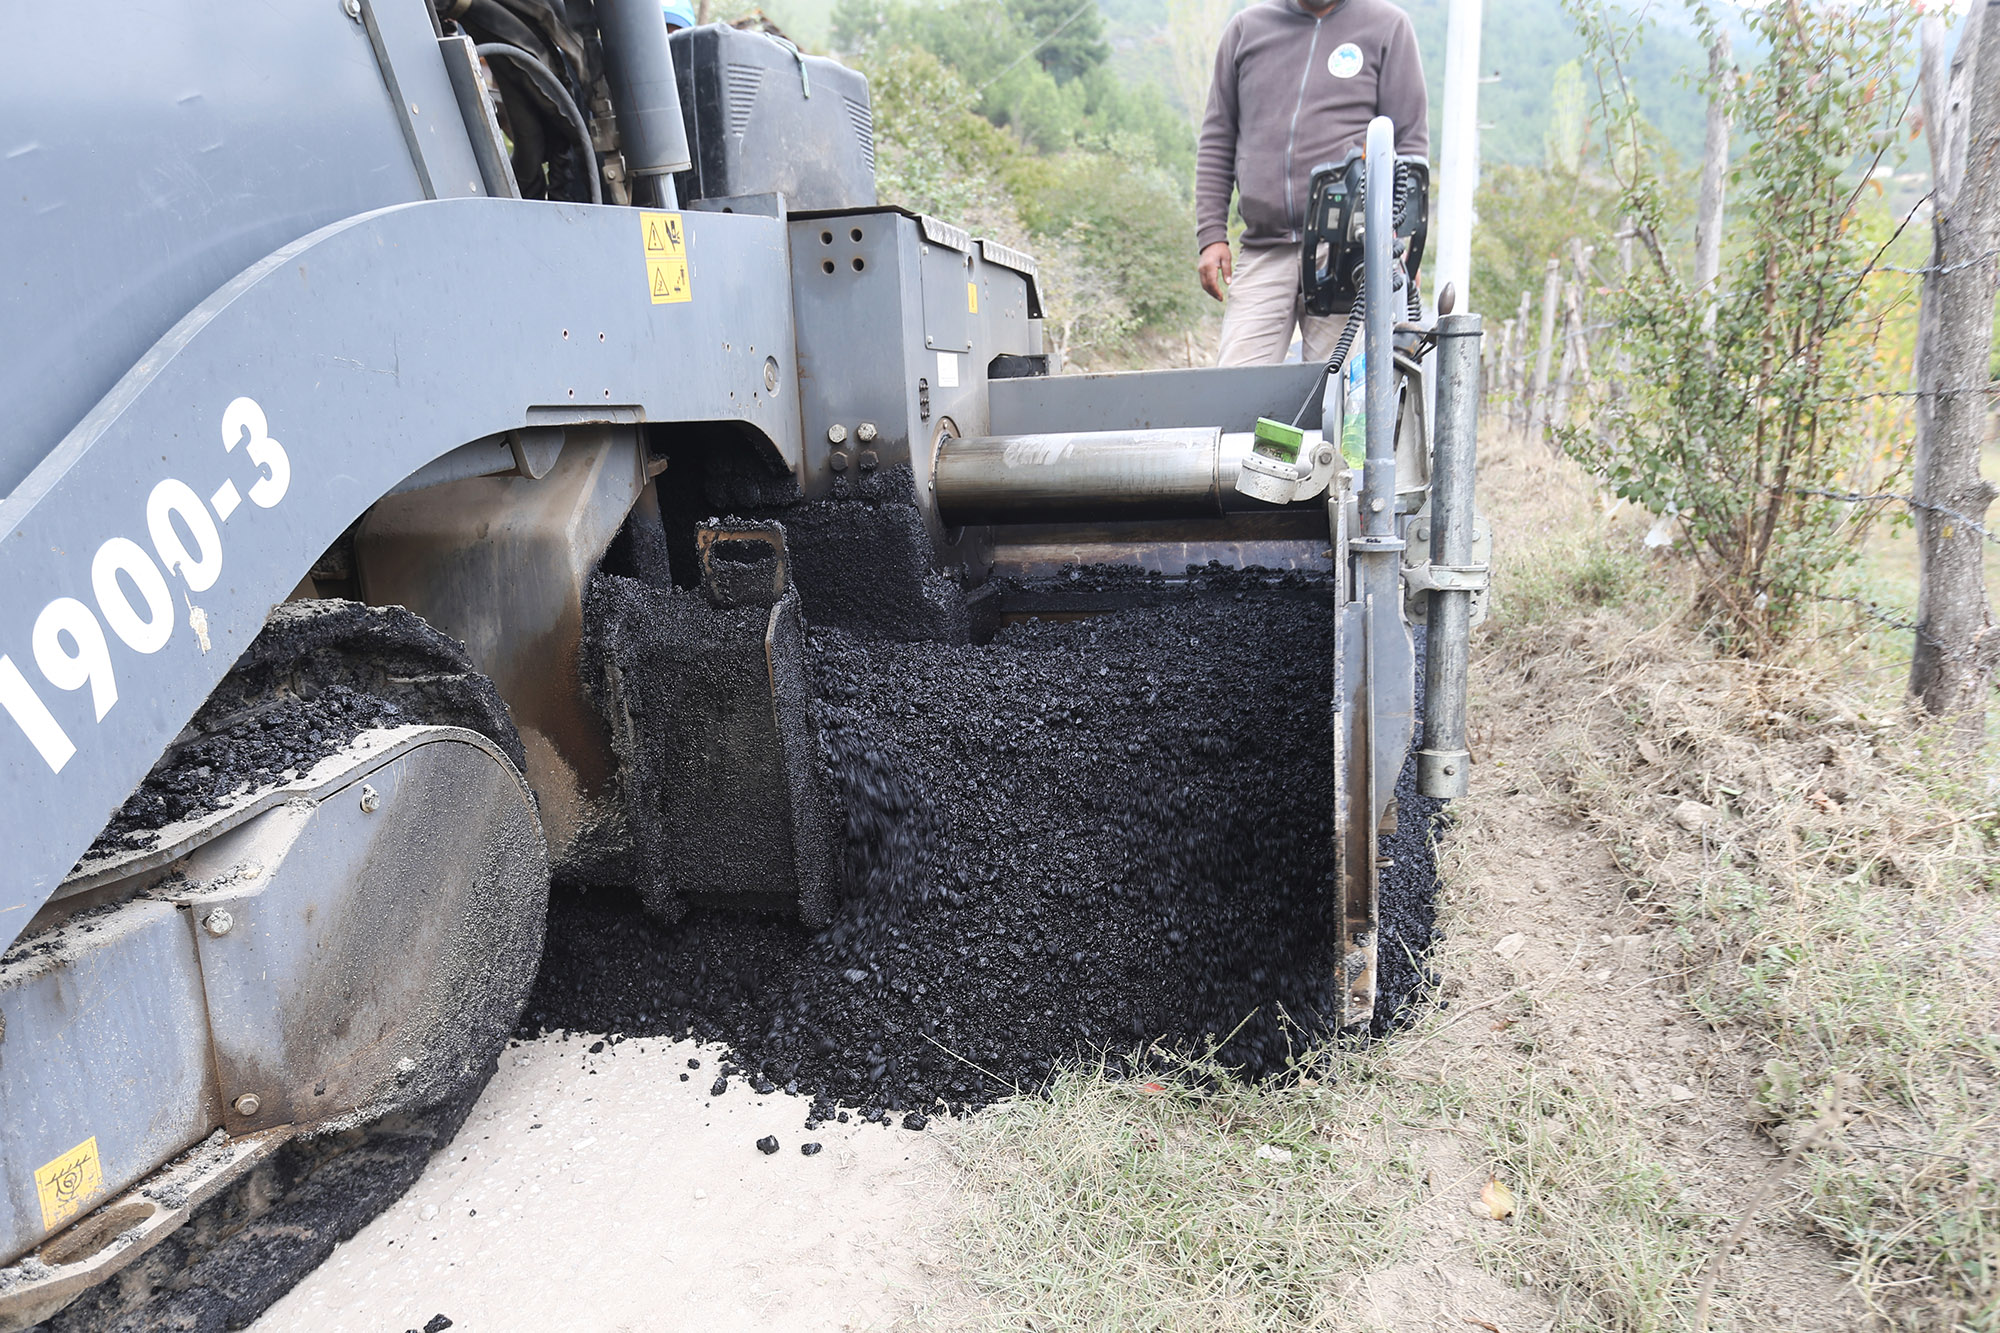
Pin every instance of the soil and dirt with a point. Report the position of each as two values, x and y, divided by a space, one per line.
1085 835
599 1187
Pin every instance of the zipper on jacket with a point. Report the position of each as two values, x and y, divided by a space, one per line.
1292 143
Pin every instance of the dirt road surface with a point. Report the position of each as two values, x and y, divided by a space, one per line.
594 1191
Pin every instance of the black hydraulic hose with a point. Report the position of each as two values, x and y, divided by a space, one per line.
552 88
1341 347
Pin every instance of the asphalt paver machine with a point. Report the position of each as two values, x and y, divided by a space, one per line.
342 343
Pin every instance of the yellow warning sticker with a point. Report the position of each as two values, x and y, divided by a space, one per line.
68 1184
971 298
666 258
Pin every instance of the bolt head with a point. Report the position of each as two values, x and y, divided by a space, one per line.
1423 532
371 800
249 1104
837 460
865 432
218 922
351 8
836 433
1375 505
868 460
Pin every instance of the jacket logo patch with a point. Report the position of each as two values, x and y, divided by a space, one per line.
1345 62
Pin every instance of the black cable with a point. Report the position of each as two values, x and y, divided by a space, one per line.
551 87
1341 348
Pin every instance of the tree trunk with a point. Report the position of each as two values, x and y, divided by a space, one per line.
1714 176
1538 392
1566 365
1957 644
1518 368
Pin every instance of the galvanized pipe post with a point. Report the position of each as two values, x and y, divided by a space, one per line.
1443 760
1378 472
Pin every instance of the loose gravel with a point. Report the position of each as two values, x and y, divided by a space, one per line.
1083 837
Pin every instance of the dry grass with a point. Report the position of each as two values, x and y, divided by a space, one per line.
1813 881
1828 865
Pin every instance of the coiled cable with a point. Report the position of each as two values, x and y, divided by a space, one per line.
545 80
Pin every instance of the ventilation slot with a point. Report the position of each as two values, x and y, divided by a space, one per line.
743 82
863 121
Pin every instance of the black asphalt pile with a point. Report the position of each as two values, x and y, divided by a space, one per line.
316 676
1087 835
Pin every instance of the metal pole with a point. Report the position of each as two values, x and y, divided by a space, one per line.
1385 297
1443 760
1458 153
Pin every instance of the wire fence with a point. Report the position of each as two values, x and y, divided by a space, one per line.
1970 523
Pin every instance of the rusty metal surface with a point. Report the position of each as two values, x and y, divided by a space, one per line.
501 563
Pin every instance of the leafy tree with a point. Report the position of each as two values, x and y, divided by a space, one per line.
1745 427
1070 35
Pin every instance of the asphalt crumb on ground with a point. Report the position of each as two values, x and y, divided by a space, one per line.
1083 837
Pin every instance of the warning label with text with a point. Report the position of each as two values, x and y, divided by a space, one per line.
666 258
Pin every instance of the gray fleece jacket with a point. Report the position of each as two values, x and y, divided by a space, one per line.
1292 92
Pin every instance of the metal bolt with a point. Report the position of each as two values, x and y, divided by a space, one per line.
249 1104
1324 458
865 432
1375 505
218 922
1423 532
770 374
352 8
837 460
868 460
1450 770
371 799
836 433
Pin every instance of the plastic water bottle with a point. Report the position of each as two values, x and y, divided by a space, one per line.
1354 411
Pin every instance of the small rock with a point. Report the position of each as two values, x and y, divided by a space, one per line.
694 1064
1272 1153
763 1087
700 1194
1680 1092
438 1324
717 1088
1694 816
597 1048
809 1149
1510 945
684 1078
768 1144
428 1212
915 1120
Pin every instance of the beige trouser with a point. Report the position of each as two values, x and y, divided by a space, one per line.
1263 308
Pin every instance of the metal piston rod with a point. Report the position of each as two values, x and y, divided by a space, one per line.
1095 476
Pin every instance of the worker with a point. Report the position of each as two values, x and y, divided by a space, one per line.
678 16
1295 87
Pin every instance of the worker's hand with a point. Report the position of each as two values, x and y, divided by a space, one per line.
1215 268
